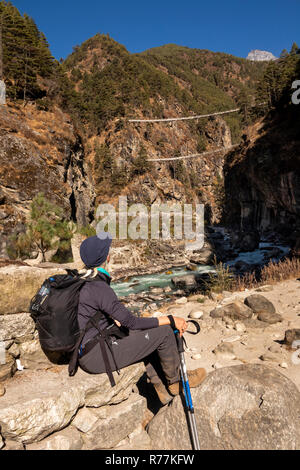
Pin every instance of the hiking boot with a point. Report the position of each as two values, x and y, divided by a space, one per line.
162 393
195 377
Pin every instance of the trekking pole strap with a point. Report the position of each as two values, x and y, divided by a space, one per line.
181 343
196 324
172 322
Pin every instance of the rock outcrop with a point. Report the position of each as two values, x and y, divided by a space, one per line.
235 311
262 181
39 404
40 152
18 284
247 407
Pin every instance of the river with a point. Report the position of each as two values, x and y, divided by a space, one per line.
142 284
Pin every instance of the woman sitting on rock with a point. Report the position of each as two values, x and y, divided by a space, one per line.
128 339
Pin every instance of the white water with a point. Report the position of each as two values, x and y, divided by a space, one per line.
156 279
257 256
138 284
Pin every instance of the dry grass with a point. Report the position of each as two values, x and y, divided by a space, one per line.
270 274
247 281
282 271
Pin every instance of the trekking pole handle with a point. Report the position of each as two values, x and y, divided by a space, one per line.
179 339
180 342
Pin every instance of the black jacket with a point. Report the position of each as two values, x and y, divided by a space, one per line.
98 296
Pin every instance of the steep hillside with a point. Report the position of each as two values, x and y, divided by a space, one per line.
77 146
104 86
40 152
262 176
110 82
215 80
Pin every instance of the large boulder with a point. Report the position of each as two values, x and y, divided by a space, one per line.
33 357
18 284
192 282
113 424
16 326
258 303
236 311
68 439
245 407
270 318
37 404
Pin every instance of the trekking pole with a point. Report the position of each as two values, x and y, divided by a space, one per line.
185 382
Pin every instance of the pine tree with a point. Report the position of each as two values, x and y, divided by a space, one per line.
45 230
284 54
275 86
24 55
245 106
294 49
103 166
141 164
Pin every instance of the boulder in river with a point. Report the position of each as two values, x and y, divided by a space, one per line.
185 282
246 241
244 407
242 266
192 282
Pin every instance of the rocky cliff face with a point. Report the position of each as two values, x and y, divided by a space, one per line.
40 152
262 180
192 180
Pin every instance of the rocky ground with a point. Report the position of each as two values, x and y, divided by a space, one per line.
236 335
244 344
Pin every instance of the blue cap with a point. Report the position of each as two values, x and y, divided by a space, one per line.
94 250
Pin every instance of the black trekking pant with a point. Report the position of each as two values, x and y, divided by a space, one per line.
157 347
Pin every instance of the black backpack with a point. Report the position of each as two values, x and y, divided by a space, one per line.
54 310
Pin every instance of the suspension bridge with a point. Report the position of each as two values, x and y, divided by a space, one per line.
187 118
196 155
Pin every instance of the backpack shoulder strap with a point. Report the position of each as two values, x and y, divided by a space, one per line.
73 364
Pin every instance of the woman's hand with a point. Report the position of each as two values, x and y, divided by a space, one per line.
180 323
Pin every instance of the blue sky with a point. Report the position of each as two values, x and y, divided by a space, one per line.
232 26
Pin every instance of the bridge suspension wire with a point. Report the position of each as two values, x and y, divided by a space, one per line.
185 118
222 149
